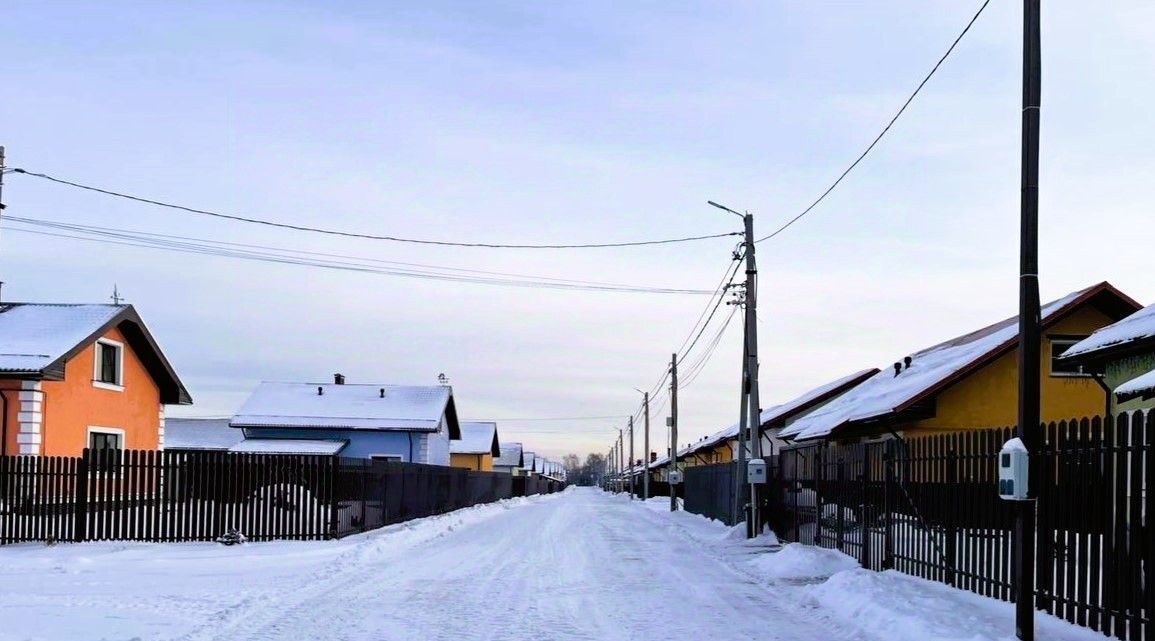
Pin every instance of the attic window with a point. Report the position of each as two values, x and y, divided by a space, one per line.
109 364
1060 367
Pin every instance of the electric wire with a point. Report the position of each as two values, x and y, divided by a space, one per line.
295 257
367 236
884 131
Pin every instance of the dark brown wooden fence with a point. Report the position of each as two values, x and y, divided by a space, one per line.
200 495
929 506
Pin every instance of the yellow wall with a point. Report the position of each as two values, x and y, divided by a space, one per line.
989 397
475 462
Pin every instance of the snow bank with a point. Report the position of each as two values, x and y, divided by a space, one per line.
797 561
894 606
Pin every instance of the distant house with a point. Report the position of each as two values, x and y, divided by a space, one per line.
409 423
81 376
1123 356
477 447
510 460
971 382
213 434
722 446
529 461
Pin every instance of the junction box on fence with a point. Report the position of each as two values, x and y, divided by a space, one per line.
1013 471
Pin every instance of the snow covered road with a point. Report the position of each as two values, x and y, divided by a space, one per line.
580 565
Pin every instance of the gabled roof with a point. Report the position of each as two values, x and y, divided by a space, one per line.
404 408
37 340
779 414
477 437
510 456
200 434
527 459
1135 331
936 368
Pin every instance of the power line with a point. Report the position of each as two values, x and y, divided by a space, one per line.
884 129
182 244
713 311
347 234
700 365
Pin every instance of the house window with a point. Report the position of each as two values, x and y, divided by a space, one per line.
105 445
1061 367
108 371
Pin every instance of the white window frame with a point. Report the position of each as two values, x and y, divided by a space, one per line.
97 429
96 382
1068 342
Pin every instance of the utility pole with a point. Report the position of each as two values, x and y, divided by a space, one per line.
646 453
673 428
740 473
632 459
621 460
1029 320
753 400
754 405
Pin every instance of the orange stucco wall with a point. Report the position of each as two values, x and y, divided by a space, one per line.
74 404
11 391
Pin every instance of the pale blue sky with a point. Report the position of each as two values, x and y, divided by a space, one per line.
568 122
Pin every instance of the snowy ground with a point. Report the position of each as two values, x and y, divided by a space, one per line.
579 565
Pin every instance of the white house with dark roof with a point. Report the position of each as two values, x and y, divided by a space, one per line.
409 423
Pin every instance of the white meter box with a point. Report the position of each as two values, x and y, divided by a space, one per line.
1013 471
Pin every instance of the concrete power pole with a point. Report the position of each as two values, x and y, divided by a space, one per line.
632 459
621 460
673 429
646 452
754 404
740 473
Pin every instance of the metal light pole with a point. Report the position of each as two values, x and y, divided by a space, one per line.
1029 319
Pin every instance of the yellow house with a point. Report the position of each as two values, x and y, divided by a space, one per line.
477 448
971 382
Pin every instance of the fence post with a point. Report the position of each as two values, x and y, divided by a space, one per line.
866 561
333 493
80 525
818 474
950 529
888 506
839 506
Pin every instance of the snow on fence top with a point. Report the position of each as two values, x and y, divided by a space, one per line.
1135 327
33 336
477 437
358 407
929 369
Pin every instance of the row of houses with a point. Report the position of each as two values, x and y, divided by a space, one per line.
1098 358
92 376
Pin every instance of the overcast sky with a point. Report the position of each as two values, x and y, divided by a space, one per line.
568 122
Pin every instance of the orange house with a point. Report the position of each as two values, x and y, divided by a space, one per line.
77 376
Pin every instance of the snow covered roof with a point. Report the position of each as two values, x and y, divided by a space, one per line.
289 446
37 339
510 456
1136 328
477 437
776 414
1142 386
200 434
410 408
528 461
935 368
